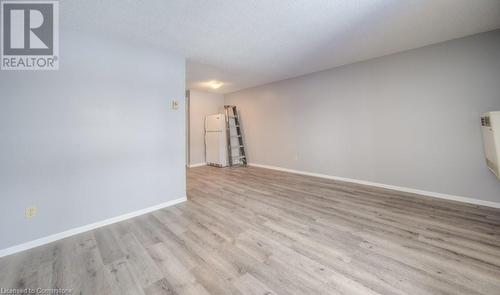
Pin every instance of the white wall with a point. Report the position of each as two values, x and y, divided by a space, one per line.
201 104
409 119
91 141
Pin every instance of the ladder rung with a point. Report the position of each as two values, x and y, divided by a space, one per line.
237 146
239 165
239 157
235 136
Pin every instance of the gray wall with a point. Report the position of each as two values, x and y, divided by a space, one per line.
91 141
201 104
409 119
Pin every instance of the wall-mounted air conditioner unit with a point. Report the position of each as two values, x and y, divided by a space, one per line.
490 125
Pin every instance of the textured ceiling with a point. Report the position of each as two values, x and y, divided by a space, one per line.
246 43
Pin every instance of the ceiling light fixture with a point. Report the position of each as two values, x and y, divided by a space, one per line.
215 84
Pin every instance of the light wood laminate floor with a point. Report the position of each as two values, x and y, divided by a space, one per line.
258 231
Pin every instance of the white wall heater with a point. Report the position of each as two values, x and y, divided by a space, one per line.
490 125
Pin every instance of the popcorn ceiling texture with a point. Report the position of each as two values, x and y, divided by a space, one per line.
253 42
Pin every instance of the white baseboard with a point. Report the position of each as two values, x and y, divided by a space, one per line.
81 229
387 186
197 165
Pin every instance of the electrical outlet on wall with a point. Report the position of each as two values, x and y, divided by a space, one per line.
30 212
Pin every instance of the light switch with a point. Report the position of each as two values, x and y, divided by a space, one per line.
175 104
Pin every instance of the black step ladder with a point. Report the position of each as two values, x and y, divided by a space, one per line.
235 147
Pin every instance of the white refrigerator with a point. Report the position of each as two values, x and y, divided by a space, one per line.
215 140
